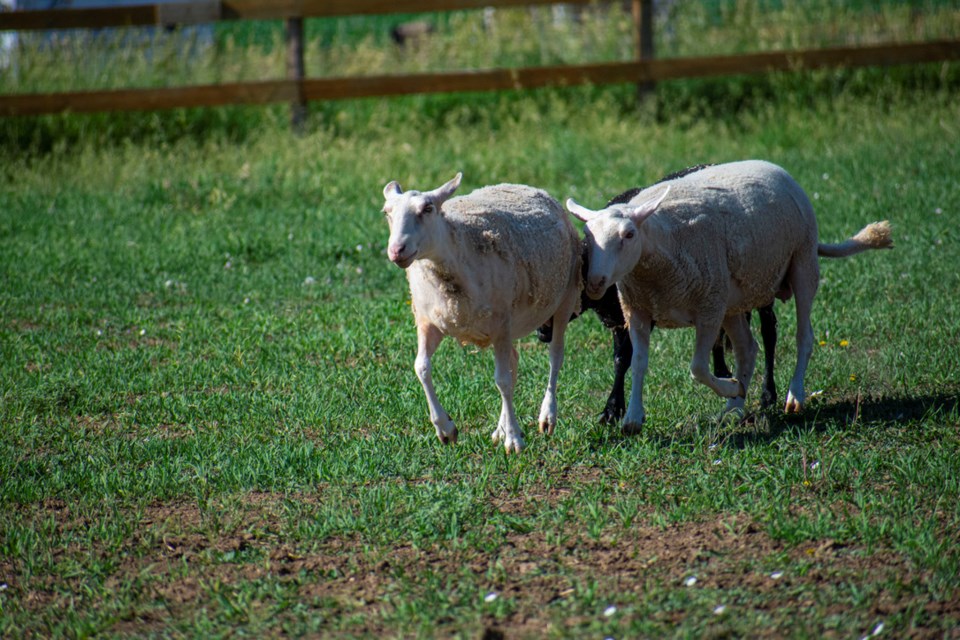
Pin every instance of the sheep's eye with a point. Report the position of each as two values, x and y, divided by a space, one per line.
427 208
629 234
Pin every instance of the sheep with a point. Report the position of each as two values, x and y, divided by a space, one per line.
730 238
486 269
608 309
412 32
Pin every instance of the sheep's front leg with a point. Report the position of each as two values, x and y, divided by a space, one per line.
428 339
501 431
622 354
707 331
745 350
505 374
639 325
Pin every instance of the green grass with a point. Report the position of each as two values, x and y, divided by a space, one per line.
211 425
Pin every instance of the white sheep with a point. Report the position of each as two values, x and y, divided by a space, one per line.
486 269
725 240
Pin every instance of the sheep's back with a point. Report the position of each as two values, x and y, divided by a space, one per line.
525 228
742 222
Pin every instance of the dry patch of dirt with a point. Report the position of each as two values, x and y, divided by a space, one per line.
184 552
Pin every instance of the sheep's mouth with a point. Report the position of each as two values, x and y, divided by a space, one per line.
595 293
405 261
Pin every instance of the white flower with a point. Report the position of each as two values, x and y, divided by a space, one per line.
776 575
814 465
720 610
825 176
309 281
717 461
359 248
692 580
143 332
490 597
609 611
938 211
877 630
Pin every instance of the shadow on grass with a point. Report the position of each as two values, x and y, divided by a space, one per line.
766 426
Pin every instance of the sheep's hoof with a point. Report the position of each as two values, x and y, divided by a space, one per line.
448 438
768 399
611 415
513 446
793 405
632 428
547 427
733 414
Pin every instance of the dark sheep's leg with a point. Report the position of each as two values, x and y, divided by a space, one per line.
622 354
720 368
768 331
545 332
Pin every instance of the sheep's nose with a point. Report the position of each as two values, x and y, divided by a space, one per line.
394 251
596 285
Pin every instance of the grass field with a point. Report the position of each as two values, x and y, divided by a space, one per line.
211 426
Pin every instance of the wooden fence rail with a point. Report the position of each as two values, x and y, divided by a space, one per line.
202 11
297 89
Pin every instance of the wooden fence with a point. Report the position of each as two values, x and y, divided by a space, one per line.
297 89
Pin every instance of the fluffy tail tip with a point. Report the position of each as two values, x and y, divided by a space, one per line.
876 235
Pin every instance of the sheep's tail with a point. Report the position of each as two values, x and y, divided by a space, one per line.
872 236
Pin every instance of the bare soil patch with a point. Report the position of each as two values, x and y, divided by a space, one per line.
185 554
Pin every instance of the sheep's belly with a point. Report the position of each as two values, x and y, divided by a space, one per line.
674 319
744 299
467 323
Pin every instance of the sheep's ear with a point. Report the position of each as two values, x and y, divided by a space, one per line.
644 210
392 190
580 213
442 194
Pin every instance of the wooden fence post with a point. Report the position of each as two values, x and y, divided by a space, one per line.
296 71
643 39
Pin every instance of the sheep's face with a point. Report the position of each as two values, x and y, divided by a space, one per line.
412 215
613 247
613 241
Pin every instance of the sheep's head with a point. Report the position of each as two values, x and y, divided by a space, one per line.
411 215
613 240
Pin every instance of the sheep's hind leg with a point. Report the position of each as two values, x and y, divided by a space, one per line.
548 409
745 350
803 281
508 429
707 331
428 339
768 331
